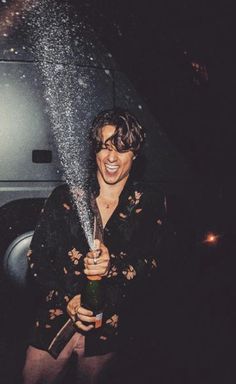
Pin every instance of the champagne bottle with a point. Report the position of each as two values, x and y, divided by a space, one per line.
93 294
93 298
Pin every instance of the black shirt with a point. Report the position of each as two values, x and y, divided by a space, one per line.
133 236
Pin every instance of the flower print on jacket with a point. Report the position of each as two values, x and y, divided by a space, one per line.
53 313
129 272
112 272
113 321
75 255
66 206
133 203
51 294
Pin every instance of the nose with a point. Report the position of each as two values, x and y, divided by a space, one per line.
112 155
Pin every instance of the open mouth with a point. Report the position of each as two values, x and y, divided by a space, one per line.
111 168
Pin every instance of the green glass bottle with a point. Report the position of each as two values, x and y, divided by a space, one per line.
93 298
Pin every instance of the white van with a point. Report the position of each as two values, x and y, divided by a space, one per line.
29 165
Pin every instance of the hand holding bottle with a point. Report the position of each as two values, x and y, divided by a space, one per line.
82 317
97 261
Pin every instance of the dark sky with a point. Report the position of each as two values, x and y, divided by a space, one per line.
155 44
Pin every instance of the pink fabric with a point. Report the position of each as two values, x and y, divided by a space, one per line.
41 368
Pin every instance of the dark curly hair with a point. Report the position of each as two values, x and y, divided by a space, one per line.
129 135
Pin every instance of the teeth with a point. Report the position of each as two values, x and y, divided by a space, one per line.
112 168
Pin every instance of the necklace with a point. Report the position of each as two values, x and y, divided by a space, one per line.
107 204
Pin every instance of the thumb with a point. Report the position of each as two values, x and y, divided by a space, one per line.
73 304
96 244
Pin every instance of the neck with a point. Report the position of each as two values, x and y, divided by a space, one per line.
111 191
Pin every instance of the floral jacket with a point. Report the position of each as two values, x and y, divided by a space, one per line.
133 237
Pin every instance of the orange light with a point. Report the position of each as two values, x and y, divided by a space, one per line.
211 238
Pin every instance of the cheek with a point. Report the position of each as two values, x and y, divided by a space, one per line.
99 161
128 163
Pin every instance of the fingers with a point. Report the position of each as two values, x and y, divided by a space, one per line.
101 265
80 314
83 327
103 248
97 244
97 262
98 254
101 256
99 247
86 319
81 311
73 304
83 316
96 270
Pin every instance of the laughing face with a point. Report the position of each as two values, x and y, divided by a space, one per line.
113 166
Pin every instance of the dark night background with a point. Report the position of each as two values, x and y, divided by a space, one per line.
179 56
155 44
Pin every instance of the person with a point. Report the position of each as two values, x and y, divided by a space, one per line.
130 218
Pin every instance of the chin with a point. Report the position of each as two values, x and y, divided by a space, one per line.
111 180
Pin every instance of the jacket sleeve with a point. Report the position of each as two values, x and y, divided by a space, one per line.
46 269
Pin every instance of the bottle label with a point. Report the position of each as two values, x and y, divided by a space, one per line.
98 321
